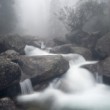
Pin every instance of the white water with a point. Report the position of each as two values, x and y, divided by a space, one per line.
99 78
33 51
76 90
26 87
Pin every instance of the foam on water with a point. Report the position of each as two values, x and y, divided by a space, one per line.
76 90
33 51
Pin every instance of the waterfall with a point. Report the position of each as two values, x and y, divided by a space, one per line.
42 45
33 51
99 78
76 90
26 87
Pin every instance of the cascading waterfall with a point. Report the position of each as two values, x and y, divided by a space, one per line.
76 90
99 78
42 45
26 87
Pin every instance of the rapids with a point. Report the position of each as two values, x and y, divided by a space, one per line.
76 90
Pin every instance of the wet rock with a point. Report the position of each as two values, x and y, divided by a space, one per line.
77 37
7 104
104 67
9 73
14 42
42 68
9 53
86 53
12 91
103 46
69 48
64 49
60 41
84 39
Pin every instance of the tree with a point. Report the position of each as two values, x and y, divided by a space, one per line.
76 18
57 28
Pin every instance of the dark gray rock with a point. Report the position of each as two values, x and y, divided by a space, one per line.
69 48
104 67
64 49
60 41
43 67
86 53
77 37
103 46
7 104
9 73
12 42
9 53
84 39
40 69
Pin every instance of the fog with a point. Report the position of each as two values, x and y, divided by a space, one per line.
36 17
33 15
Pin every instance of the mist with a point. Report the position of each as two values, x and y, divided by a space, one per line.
36 17
33 16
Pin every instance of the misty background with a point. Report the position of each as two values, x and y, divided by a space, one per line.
53 18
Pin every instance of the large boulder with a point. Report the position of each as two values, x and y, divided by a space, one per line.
84 39
43 67
9 73
103 46
9 53
7 104
77 36
14 42
60 41
86 53
104 67
64 49
69 48
39 68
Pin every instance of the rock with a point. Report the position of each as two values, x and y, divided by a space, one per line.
60 41
104 67
69 48
9 53
7 104
64 49
84 39
12 91
103 46
86 53
14 42
77 37
9 73
17 43
39 68
43 68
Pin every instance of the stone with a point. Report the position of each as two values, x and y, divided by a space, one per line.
43 68
10 73
104 67
69 48
12 42
7 104
103 46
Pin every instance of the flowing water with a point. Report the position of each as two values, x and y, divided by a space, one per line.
76 90
26 87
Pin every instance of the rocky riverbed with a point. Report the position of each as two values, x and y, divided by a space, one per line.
15 66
